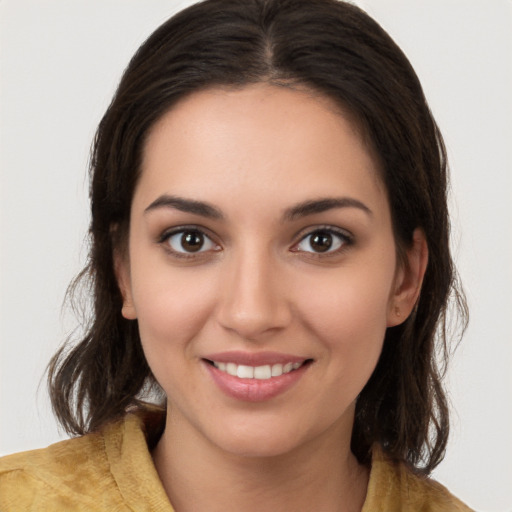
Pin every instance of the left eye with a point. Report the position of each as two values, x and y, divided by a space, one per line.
322 241
190 241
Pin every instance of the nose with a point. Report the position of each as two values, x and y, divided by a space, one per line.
254 301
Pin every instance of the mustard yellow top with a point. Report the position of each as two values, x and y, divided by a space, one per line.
112 470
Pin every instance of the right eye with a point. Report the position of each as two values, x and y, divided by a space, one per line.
189 241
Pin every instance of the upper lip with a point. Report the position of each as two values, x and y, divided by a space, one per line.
254 358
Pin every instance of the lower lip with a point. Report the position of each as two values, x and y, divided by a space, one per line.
255 390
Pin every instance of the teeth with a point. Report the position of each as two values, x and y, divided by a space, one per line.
245 372
230 368
277 369
262 372
256 372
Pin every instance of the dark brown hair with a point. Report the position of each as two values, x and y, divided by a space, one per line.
330 47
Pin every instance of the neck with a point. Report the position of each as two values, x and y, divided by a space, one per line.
322 474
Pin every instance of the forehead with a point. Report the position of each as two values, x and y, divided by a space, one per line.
274 141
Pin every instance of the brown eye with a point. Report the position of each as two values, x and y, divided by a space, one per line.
323 241
190 241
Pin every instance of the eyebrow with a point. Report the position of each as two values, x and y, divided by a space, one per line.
295 212
322 205
186 205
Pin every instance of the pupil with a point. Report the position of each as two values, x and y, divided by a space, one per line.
321 241
192 241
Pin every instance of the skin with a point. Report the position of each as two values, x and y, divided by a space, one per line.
258 284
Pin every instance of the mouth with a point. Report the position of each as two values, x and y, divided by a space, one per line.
255 376
263 372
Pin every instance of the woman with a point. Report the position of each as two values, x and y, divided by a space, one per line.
270 265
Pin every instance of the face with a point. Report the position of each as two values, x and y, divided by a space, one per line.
261 267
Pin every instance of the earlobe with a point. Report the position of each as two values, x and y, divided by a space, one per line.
122 271
409 280
128 311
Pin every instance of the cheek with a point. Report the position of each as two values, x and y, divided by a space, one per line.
352 305
348 317
171 307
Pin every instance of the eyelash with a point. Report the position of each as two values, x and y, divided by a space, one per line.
181 230
345 240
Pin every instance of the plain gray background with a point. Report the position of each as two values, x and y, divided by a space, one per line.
60 63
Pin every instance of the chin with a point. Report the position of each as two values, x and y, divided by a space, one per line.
266 445
270 439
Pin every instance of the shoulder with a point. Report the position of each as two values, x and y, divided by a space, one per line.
107 470
70 475
395 487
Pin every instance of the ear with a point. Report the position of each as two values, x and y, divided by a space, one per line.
408 280
122 271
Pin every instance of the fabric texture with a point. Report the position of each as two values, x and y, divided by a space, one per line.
112 470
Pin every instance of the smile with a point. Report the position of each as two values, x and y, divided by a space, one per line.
256 372
255 376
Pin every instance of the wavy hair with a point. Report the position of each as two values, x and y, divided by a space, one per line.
335 49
